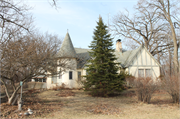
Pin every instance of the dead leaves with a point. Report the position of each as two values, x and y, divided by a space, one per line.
65 93
39 107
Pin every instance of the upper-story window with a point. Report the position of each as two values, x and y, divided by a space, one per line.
145 73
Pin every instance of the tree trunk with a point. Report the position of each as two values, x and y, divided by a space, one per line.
10 99
176 65
6 89
175 58
170 67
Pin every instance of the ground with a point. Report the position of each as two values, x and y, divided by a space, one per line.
79 105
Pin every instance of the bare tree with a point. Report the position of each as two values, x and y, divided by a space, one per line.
144 27
168 11
14 22
53 3
28 57
23 54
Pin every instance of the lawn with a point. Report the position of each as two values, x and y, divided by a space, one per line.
77 104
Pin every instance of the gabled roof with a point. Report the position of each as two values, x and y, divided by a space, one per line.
124 57
67 48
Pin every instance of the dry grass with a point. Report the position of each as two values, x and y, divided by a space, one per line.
124 106
65 93
105 109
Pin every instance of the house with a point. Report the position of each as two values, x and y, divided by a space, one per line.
138 62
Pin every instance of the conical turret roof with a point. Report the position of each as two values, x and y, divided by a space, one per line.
67 48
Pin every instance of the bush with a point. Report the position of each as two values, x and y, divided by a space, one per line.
144 88
59 87
171 85
129 80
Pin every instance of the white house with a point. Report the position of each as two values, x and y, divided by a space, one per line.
138 62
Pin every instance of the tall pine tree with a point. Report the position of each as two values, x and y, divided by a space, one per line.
102 77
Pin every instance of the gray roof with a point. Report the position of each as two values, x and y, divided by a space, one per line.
125 57
82 57
67 48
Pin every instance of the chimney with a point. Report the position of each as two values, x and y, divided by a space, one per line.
119 45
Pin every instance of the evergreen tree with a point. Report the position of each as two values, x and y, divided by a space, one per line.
102 77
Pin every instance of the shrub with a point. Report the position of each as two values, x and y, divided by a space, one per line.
144 88
129 80
171 85
59 87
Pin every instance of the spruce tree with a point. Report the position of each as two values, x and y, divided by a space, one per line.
102 77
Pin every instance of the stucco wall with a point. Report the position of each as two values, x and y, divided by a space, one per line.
71 83
143 60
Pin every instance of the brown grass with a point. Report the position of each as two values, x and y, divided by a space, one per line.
65 93
82 105
105 109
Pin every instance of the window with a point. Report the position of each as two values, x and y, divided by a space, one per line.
44 80
140 72
148 73
79 76
40 79
70 74
60 75
54 79
144 73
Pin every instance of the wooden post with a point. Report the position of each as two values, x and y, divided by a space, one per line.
20 99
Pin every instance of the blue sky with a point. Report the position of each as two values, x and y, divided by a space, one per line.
78 16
